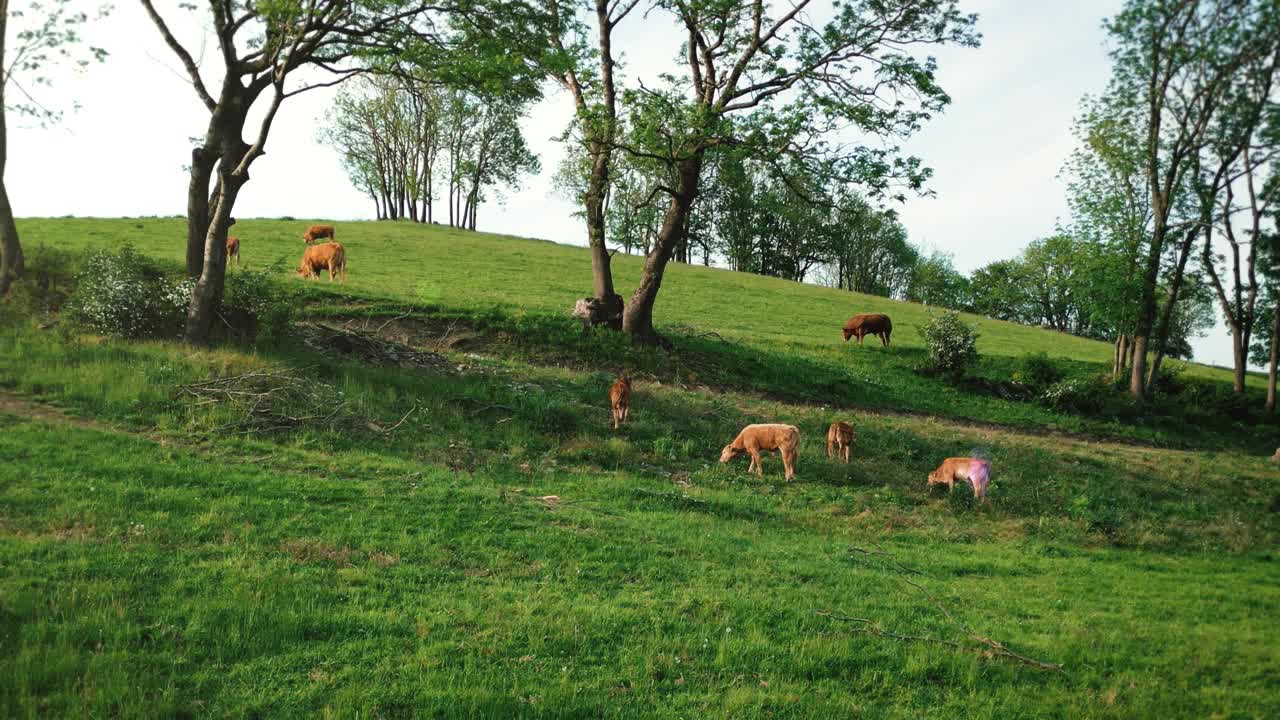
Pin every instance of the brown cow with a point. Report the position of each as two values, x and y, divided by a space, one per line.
754 438
620 400
869 324
840 440
328 256
233 249
976 470
318 232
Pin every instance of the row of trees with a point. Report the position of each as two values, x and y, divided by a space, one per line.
404 138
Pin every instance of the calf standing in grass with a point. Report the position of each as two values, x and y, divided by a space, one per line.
783 438
840 440
233 249
620 400
328 256
975 470
318 232
869 324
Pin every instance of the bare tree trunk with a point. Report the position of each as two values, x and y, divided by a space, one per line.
601 263
207 295
11 261
1171 305
1275 356
637 320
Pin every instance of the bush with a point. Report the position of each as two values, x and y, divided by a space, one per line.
257 306
1037 371
46 283
1078 395
124 294
1169 381
951 343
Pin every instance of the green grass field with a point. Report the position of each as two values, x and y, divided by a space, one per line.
501 553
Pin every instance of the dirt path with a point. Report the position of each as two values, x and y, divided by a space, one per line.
12 403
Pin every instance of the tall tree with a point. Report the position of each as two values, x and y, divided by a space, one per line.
589 78
264 46
798 81
47 32
1240 157
1177 60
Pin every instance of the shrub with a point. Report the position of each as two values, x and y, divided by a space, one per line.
1078 394
122 293
951 343
257 306
1038 371
1169 381
46 283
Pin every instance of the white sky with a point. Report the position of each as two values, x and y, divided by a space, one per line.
996 151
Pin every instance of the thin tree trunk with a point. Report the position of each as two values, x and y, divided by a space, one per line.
1171 305
601 263
637 319
1275 356
198 198
11 260
207 295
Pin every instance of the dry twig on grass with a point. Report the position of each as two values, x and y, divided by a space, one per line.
369 348
980 643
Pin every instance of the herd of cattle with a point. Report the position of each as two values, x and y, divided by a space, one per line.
785 439
328 256
754 439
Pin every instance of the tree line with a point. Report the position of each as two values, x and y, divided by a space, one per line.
407 140
772 141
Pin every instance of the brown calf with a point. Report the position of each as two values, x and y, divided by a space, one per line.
317 232
976 470
869 324
326 256
233 249
620 400
783 438
840 440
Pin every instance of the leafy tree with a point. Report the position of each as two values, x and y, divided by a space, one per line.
266 47
44 33
1174 65
773 87
999 290
935 281
588 75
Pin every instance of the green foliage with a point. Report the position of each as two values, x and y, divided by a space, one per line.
935 281
42 33
1038 371
1083 395
259 306
48 280
123 293
951 343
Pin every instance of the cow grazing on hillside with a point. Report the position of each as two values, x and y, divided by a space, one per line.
840 440
326 256
976 470
233 249
620 400
785 439
869 324
318 232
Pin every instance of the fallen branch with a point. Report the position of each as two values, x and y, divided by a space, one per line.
992 647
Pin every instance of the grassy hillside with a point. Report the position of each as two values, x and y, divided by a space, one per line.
188 532
771 336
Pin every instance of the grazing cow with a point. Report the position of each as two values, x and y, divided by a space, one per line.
318 232
233 249
975 470
869 324
783 438
840 438
326 256
620 400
